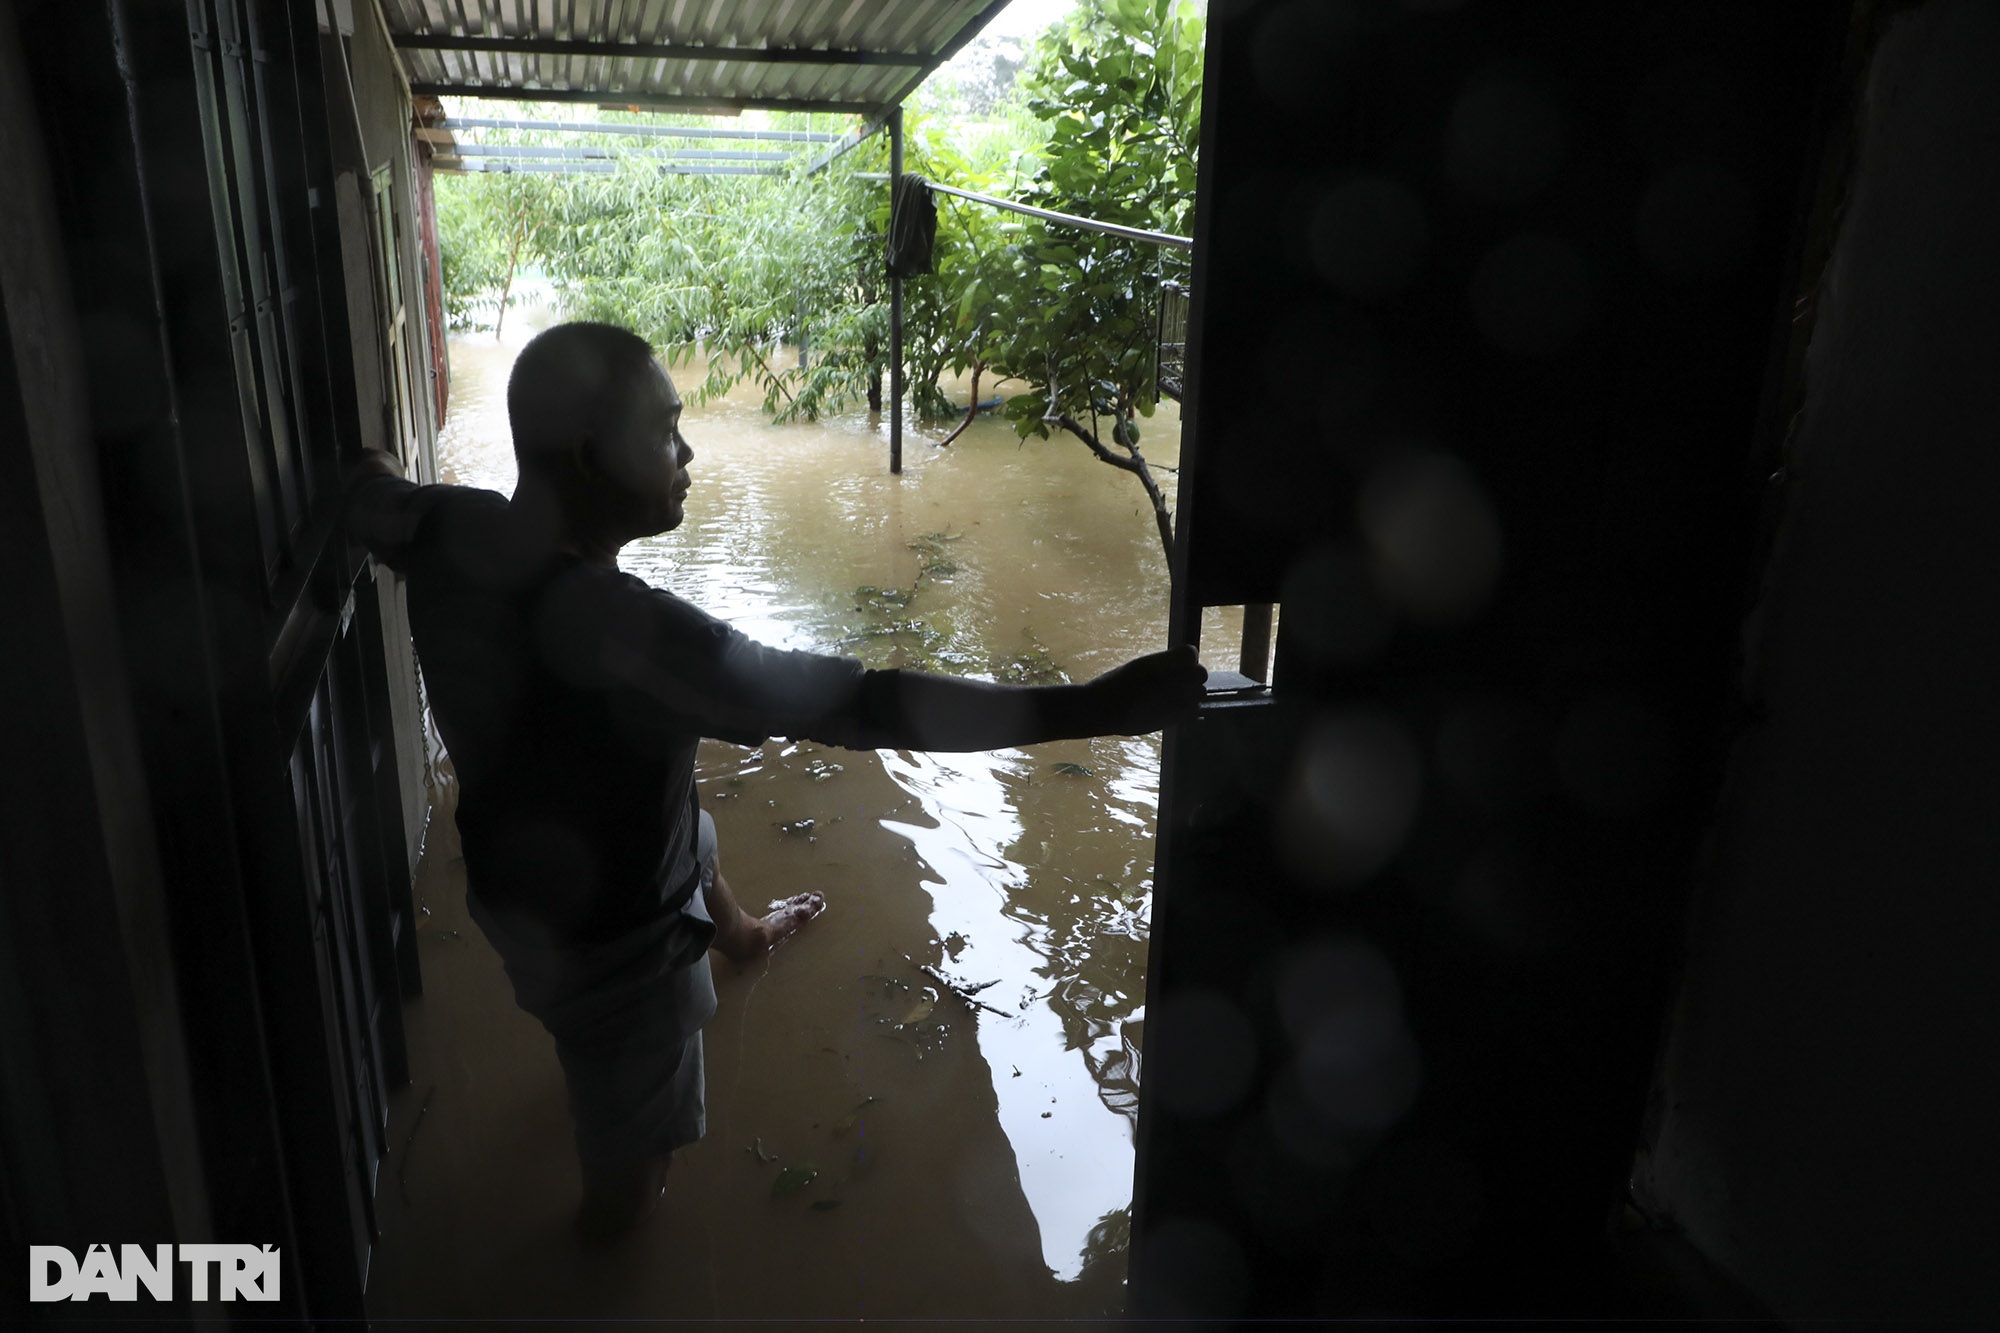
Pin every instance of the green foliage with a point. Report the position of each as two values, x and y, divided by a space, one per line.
489 229
793 1179
950 316
728 269
719 272
471 251
1120 89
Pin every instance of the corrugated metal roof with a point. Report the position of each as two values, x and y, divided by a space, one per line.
860 56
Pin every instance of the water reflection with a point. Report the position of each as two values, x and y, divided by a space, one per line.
1007 560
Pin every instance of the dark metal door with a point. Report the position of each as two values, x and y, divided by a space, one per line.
333 917
1418 905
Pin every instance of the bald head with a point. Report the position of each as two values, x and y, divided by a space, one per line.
596 426
577 382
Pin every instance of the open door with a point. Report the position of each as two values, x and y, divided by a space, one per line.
1477 366
330 906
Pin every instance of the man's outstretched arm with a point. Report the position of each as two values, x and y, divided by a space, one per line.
914 710
667 660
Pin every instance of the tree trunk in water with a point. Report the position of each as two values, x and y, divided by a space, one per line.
874 381
971 408
771 380
513 254
1161 518
1134 462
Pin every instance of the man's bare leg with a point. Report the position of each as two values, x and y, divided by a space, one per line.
618 1198
743 938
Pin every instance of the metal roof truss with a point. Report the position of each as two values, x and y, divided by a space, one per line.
858 57
510 167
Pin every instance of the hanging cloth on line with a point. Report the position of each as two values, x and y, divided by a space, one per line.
912 227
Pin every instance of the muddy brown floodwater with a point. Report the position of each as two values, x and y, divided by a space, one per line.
967 1161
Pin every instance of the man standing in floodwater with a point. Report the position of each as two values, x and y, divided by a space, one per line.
571 698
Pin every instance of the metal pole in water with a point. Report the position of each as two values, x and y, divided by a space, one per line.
895 303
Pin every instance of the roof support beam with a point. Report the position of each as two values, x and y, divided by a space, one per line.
454 123
720 106
612 154
451 165
758 55
854 140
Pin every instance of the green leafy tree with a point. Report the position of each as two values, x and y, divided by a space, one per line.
952 316
726 267
471 252
734 271
730 270
1119 86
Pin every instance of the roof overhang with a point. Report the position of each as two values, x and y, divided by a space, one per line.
850 56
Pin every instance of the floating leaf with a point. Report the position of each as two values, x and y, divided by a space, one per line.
902 1040
1073 770
756 1150
825 1205
919 1011
847 1122
1033 667
793 1179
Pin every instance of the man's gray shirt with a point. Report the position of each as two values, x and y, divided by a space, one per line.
571 698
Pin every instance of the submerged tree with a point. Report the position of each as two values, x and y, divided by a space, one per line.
471 252
1120 87
732 267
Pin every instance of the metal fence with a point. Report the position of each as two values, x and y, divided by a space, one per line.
1170 345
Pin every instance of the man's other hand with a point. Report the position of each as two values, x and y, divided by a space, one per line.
380 517
371 463
1148 693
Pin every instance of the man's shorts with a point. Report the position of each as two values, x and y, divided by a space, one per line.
627 1018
